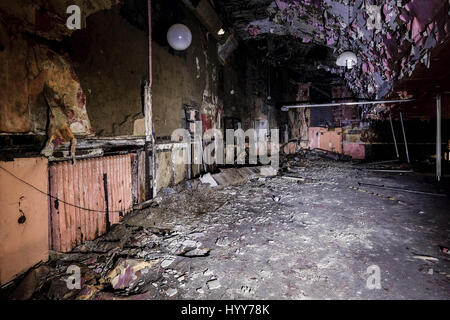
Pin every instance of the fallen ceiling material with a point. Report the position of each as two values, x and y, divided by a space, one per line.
390 37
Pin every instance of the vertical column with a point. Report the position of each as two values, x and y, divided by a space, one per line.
393 135
404 138
438 138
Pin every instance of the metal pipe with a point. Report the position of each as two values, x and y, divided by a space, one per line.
438 138
393 135
337 104
150 51
404 138
150 171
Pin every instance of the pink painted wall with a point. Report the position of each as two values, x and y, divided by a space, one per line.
325 139
22 245
82 185
355 150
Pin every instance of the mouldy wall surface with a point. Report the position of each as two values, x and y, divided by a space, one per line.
164 170
23 245
182 78
112 78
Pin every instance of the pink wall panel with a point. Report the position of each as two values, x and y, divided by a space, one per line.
325 139
355 150
23 244
82 185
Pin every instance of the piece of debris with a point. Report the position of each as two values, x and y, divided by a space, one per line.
208 179
207 273
167 262
222 242
128 273
30 283
268 171
444 249
171 292
426 258
200 290
198 252
213 284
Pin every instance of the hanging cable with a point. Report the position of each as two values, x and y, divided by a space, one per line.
55 198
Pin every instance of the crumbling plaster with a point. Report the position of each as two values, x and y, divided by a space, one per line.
389 37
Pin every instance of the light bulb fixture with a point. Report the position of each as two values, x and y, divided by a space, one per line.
221 32
347 59
179 37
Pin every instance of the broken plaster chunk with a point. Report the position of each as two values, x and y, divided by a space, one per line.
208 179
198 252
268 171
426 258
207 273
171 292
167 262
222 242
128 273
213 284
200 290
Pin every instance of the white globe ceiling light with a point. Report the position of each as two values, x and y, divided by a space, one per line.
179 37
347 59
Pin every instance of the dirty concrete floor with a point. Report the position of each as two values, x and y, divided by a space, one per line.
273 238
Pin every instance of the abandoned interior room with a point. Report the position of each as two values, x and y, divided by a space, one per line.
224 149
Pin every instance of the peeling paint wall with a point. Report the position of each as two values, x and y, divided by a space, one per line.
112 77
390 38
170 168
30 39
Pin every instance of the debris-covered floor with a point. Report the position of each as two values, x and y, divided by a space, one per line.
312 235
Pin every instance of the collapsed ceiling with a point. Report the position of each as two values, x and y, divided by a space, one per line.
390 37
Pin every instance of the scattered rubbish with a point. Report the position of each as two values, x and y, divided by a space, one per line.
167 262
378 195
444 249
213 284
299 179
329 154
421 213
171 292
200 290
128 273
426 258
246 289
276 199
222 242
268 171
30 283
167 191
203 252
207 273
390 171
148 204
208 179
401 189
